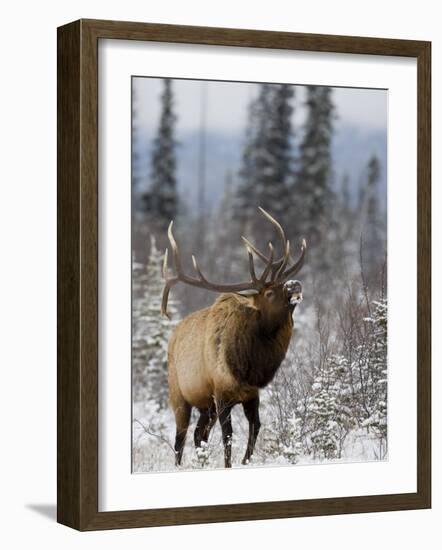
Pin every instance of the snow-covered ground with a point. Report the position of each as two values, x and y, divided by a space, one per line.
154 433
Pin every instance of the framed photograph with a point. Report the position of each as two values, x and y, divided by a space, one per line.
243 274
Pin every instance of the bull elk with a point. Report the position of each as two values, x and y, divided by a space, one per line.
222 355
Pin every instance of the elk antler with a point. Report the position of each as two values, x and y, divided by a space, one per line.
297 266
256 283
278 267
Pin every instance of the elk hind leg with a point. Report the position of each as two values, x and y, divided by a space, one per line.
182 419
205 423
251 410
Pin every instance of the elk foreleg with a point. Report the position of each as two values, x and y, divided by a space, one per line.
225 419
251 410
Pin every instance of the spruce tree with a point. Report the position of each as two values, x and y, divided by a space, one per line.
226 230
136 160
150 330
274 158
375 375
328 414
283 439
312 191
373 230
368 193
267 164
246 200
161 201
345 219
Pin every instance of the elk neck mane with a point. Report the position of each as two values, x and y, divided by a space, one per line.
253 350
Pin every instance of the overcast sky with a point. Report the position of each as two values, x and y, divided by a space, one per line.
227 104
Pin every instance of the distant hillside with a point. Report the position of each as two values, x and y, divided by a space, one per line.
351 150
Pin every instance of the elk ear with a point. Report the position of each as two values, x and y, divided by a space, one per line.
250 292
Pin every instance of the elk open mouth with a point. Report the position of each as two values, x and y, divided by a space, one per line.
294 292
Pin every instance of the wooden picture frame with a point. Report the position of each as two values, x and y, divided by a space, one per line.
77 461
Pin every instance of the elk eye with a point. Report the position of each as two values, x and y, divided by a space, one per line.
269 293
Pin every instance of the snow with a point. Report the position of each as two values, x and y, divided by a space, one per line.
154 453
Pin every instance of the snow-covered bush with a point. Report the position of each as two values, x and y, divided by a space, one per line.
152 436
290 445
150 330
345 393
376 375
202 455
328 415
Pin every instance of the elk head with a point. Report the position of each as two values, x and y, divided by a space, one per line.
273 293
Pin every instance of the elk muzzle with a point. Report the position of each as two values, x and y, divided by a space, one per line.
294 292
